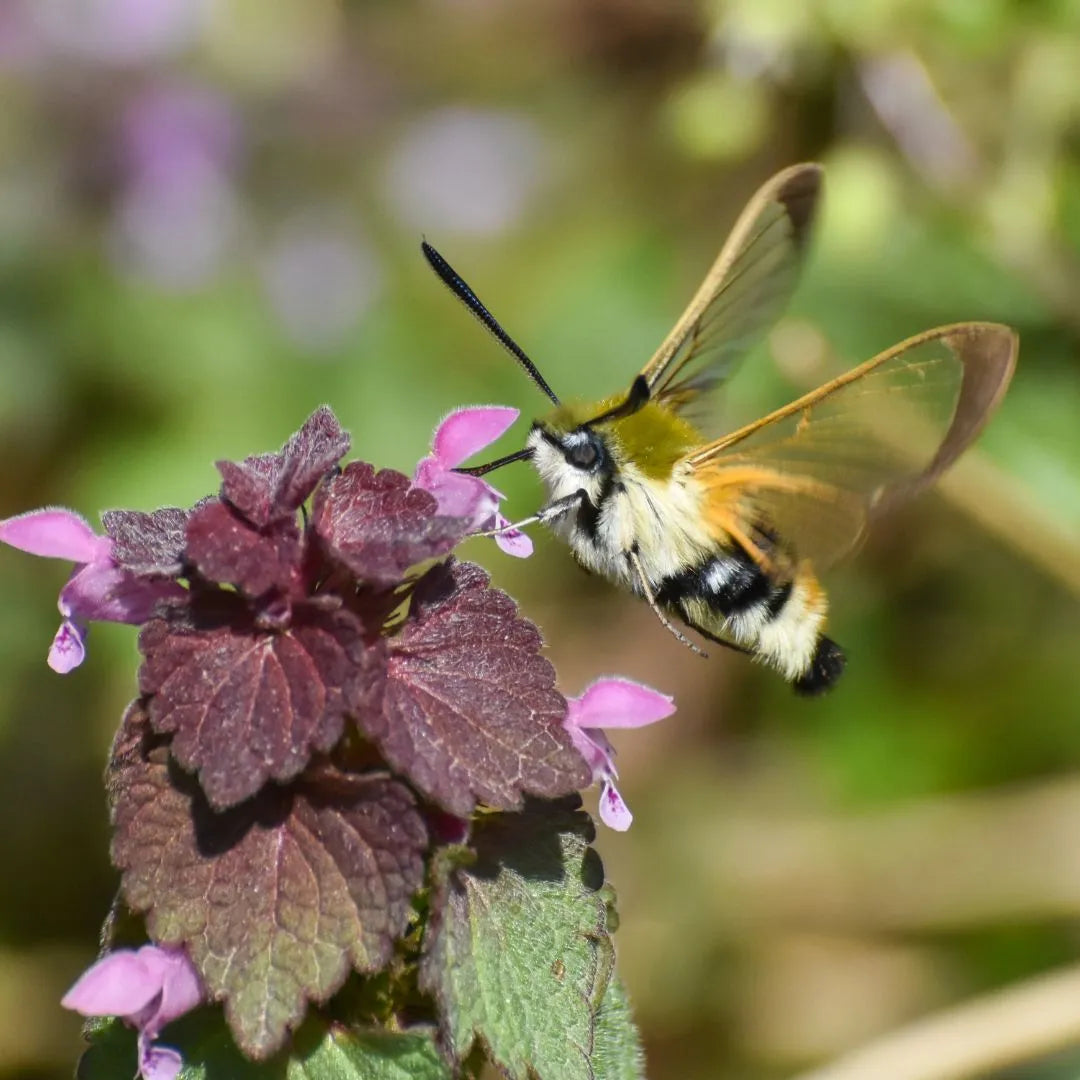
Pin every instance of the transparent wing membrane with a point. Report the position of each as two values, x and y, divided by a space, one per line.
744 293
813 472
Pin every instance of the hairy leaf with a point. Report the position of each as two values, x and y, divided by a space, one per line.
376 1055
270 487
276 899
148 544
319 1052
378 526
248 706
617 1052
517 952
471 713
112 1051
227 549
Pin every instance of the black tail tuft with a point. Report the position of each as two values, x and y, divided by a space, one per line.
825 668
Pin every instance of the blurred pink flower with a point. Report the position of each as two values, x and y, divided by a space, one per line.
612 703
462 434
467 169
118 31
97 588
320 277
147 988
20 47
172 127
179 214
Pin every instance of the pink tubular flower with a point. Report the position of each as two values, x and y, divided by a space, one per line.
611 703
97 588
147 988
463 433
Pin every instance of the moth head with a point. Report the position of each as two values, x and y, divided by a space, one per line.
586 435
626 431
571 449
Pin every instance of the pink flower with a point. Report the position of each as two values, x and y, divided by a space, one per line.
463 433
147 988
611 703
97 588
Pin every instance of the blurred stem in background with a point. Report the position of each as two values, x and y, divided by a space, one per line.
1009 1027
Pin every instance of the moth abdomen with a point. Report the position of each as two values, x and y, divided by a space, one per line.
729 598
728 582
826 666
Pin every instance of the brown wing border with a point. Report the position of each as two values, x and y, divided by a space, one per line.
979 396
986 354
797 189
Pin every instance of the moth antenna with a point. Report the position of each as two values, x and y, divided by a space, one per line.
457 285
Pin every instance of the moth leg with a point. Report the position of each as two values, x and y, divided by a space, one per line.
545 514
646 591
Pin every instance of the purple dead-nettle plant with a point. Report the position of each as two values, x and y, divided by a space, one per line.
344 802
146 988
463 433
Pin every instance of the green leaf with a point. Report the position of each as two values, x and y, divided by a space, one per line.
617 1053
111 1053
386 1055
518 953
319 1052
203 1039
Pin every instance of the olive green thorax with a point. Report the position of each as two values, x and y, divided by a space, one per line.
653 438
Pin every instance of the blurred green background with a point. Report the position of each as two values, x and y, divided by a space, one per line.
210 216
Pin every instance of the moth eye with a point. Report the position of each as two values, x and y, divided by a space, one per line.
582 455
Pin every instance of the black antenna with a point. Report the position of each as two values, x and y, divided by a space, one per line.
456 284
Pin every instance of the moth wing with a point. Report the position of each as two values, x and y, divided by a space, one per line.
806 479
745 291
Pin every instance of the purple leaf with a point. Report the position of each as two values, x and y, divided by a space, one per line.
148 544
268 487
378 526
471 713
275 900
226 549
250 486
248 706
310 454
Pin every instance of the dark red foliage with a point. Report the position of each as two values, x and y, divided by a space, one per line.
148 544
275 900
225 548
268 487
471 712
307 706
247 706
379 526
